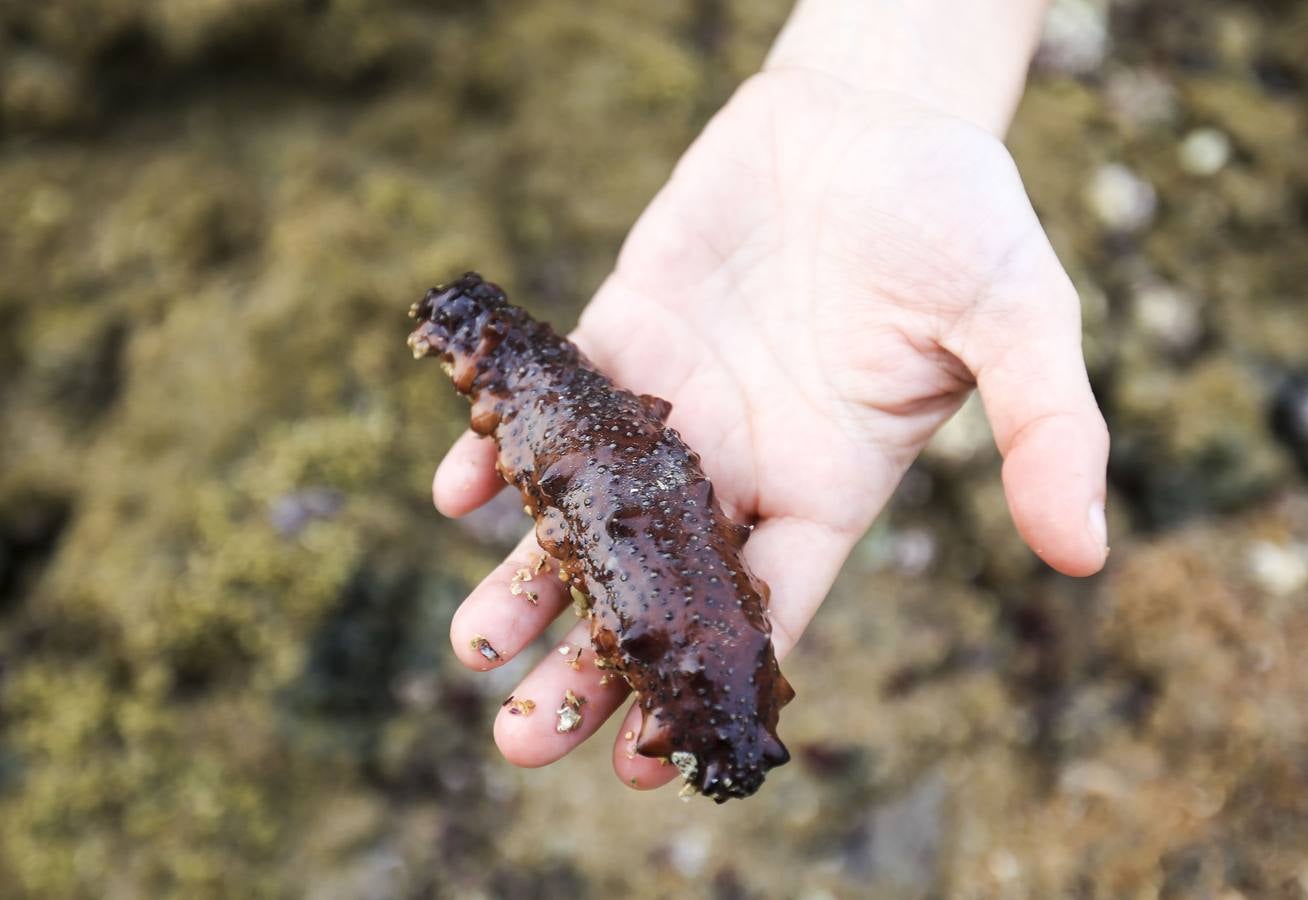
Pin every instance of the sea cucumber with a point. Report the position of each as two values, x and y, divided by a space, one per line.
624 506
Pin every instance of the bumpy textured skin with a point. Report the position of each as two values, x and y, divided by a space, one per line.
622 503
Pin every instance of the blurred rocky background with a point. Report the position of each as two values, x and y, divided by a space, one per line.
224 594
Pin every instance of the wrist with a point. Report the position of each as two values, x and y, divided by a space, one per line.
967 59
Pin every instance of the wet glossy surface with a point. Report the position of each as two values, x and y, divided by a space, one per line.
622 503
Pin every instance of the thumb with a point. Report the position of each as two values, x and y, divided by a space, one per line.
1023 345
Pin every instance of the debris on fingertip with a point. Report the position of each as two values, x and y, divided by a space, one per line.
483 646
569 713
523 707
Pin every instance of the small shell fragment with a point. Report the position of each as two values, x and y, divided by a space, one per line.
483 646
418 344
516 587
522 707
686 764
569 713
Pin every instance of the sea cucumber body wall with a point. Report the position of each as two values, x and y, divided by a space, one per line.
622 503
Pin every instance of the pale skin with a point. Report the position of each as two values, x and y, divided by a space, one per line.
840 258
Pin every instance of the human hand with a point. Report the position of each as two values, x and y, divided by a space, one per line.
828 273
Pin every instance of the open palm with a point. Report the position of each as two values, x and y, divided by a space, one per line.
826 275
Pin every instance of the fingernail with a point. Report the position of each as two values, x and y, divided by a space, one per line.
1099 524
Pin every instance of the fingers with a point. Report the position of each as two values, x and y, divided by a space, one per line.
466 477
1024 348
502 616
509 609
570 699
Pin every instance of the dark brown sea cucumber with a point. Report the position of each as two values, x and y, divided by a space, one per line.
622 503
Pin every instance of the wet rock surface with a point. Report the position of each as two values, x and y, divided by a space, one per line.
224 668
